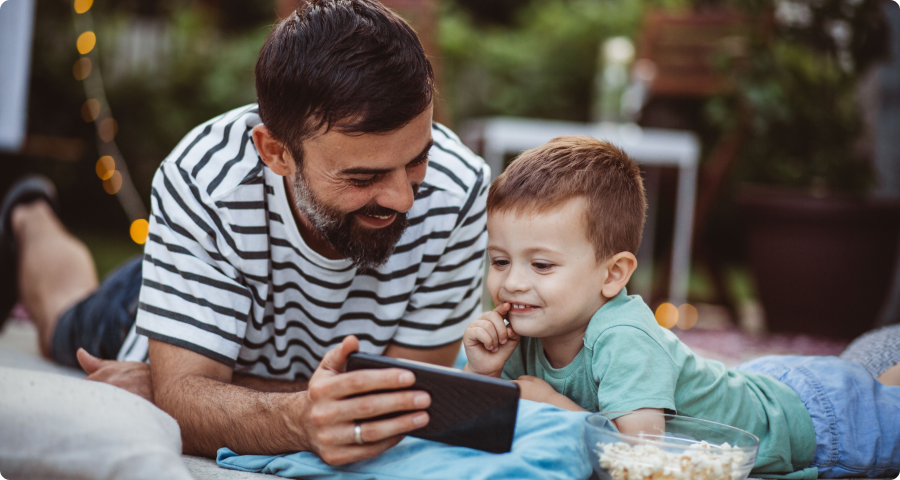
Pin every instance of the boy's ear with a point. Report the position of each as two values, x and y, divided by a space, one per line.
619 270
273 153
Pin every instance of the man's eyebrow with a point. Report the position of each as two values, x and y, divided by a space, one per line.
379 171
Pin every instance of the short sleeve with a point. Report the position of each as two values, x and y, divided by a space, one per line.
449 298
191 295
632 371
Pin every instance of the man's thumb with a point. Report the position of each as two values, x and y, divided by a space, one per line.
88 362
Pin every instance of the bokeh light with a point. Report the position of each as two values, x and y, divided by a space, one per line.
687 316
82 68
666 315
106 166
113 183
86 42
107 129
90 110
82 6
139 231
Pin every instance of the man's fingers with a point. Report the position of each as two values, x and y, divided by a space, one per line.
335 361
376 431
360 381
88 362
369 406
354 453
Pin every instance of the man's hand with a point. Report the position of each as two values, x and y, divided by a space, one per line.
536 389
334 408
489 342
132 376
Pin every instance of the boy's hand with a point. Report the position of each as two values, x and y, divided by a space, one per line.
537 390
489 342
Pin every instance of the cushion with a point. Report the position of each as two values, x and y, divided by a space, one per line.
52 426
548 444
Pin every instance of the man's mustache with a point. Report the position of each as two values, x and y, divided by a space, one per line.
373 210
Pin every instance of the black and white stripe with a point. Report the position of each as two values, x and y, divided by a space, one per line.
227 275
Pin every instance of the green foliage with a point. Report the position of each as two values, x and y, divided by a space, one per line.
203 74
803 120
797 94
542 66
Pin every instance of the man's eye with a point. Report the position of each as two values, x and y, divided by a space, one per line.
542 266
418 162
362 182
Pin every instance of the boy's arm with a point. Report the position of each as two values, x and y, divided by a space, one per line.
537 390
648 421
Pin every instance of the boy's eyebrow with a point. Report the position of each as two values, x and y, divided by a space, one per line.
527 251
379 171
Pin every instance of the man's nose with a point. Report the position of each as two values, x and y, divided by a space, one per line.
397 192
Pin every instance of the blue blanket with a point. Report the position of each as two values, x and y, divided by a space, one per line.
548 444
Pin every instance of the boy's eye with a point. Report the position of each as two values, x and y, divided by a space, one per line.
542 266
499 262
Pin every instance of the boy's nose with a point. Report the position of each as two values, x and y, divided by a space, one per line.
516 281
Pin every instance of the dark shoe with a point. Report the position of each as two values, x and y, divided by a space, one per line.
26 190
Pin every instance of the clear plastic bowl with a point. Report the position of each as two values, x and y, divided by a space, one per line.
675 453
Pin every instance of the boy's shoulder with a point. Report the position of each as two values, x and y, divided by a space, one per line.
623 310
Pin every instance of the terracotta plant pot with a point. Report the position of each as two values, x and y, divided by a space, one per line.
822 265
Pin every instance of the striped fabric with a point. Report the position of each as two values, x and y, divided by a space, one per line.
227 274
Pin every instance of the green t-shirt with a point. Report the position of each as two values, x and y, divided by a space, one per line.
630 362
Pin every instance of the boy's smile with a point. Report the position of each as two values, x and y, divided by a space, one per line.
544 265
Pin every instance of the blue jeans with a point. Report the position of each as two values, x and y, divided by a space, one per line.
856 418
100 322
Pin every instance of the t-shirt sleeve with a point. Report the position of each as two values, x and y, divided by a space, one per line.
632 371
449 298
191 296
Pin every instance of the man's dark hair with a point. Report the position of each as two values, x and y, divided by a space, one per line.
349 65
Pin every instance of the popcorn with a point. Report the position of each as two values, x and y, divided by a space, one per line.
700 461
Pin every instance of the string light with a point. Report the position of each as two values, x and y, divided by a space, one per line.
116 180
666 315
105 167
107 129
90 110
140 229
687 316
82 6
86 42
82 68
113 183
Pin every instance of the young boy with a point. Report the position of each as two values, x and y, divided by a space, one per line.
564 222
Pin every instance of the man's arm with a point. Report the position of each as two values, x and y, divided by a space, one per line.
213 413
445 355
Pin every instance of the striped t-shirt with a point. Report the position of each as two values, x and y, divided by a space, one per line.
226 273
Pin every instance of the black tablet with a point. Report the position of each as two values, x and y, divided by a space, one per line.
467 410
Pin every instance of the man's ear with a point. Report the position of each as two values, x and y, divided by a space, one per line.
273 153
619 270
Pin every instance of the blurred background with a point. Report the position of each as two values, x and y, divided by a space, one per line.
770 130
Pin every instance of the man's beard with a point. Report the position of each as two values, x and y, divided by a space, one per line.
365 247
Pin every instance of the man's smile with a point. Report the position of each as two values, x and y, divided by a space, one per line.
372 220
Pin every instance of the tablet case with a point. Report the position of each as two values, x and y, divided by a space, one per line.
467 410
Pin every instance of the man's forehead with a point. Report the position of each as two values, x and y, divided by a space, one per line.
340 151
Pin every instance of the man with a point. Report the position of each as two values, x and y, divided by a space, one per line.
333 217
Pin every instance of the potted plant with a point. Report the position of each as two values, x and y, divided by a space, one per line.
821 249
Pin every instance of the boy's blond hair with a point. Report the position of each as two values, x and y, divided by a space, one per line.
568 167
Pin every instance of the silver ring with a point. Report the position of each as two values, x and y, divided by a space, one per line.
357 434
